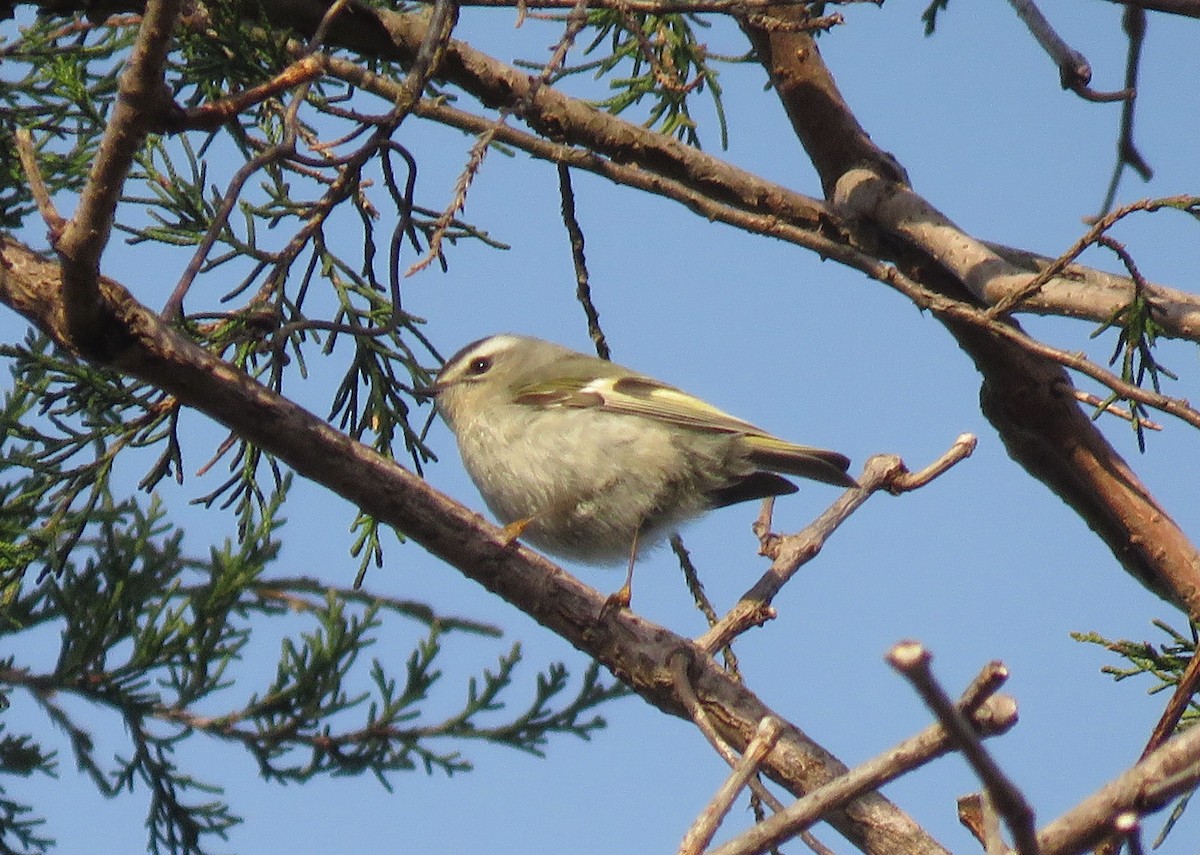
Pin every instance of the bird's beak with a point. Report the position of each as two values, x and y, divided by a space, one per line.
431 391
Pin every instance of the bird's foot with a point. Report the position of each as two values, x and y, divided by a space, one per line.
514 530
617 600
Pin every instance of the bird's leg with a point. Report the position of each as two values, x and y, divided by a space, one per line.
620 598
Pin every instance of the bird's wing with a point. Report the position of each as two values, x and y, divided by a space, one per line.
635 395
638 395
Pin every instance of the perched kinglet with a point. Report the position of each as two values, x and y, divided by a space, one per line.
592 461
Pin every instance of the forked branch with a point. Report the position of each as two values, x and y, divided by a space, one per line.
788 553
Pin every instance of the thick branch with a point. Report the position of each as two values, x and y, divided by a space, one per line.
558 116
1025 395
827 128
630 154
635 650
1187 8
752 203
1170 771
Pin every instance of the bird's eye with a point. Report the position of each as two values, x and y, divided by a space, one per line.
479 365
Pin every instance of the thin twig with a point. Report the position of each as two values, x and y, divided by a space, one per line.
701 833
37 185
307 68
986 683
762 525
959 310
345 184
576 21
677 663
172 310
789 553
424 66
583 288
1178 407
911 659
1090 237
1075 73
216 113
1181 698
963 447
309 65
1133 21
1103 406
700 598
996 715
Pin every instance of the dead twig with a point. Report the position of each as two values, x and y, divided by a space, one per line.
576 21
701 833
583 288
1133 21
1074 71
677 664
963 447
991 715
791 552
911 659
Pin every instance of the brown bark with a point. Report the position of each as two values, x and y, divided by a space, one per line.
1026 398
137 342
831 135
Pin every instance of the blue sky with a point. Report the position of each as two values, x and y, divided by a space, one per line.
983 564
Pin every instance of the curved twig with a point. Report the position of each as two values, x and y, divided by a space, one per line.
789 553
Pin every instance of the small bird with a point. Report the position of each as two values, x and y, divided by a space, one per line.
592 461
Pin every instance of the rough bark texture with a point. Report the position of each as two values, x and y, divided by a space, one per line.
1025 397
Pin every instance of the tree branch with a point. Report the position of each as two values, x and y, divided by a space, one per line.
826 126
666 167
1023 390
1186 8
1074 71
753 204
1133 21
912 659
788 553
1027 397
1169 771
990 716
85 236
636 650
